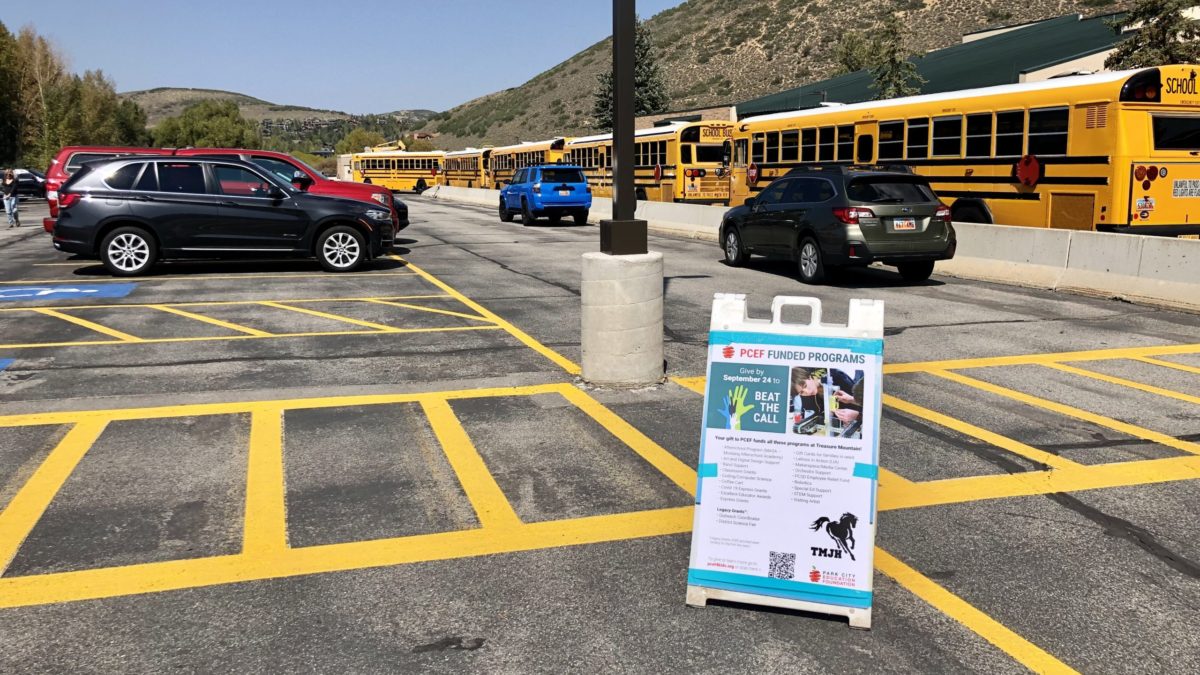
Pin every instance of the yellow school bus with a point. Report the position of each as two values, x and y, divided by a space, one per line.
677 162
505 161
398 171
467 168
1117 152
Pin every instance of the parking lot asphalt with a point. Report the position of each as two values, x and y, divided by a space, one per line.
259 466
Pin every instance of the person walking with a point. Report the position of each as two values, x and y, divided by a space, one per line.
9 187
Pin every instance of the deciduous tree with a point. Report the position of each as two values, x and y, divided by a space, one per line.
357 139
217 124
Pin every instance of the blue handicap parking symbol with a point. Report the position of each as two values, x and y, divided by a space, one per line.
65 291
4 363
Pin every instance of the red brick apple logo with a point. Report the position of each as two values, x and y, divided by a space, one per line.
814 576
727 352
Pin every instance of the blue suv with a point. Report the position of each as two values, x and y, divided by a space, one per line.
553 190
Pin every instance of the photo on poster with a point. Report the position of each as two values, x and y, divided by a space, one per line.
826 402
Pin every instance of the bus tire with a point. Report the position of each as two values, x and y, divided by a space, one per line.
809 261
971 213
580 217
506 216
367 180
420 186
639 193
527 217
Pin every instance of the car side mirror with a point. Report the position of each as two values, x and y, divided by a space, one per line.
749 202
302 181
506 182
276 193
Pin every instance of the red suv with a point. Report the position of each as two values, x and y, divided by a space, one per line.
69 159
304 177
308 179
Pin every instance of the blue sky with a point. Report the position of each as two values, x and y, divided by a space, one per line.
360 56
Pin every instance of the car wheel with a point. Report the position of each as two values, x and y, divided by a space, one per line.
128 251
506 216
581 217
526 214
810 263
341 249
916 271
735 254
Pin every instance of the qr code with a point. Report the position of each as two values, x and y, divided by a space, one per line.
783 566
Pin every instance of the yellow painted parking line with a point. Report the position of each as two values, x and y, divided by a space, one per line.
208 319
667 464
696 384
27 506
525 339
1062 409
266 514
270 336
206 277
110 582
335 317
491 506
1122 382
1016 447
1169 364
1034 359
105 330
225 303
1025 652
434 310
1031 483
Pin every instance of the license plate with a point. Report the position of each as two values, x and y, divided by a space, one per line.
904 223
564 193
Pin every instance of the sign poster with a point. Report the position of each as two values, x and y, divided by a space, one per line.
785 505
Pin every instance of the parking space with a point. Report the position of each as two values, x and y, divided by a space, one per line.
403 456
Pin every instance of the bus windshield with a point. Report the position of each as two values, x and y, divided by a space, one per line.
714 154
1176 132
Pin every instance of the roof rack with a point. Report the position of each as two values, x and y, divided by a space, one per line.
843 168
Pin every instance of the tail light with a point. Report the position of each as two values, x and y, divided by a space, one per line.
852 215
589 189
942 213
68 199
695 173
537 188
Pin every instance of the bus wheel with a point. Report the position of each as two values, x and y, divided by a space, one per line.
810 264
420 186
971 214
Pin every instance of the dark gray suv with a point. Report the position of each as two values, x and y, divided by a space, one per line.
830 216
133 211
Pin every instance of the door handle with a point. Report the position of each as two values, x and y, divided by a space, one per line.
143 198
229 204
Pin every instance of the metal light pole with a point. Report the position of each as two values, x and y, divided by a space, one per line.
621 294
623 235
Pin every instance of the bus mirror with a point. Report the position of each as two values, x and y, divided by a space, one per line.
725 153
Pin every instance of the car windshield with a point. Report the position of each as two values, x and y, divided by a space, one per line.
276 166
562 176
889 190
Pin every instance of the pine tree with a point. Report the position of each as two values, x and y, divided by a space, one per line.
853 52
1164 34
649 90
895 75
10 119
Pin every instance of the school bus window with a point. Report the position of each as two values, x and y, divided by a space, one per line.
808 145
825 144
1048 131
789 149
758 150
947 136
891 140
1010 133
845 143
740 150
1176 132
772 147
918 138
979 135
685 154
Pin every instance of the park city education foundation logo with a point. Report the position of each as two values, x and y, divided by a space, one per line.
727 351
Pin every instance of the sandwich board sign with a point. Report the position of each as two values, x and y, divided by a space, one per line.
789 456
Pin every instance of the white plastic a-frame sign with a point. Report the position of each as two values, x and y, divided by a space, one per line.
789 456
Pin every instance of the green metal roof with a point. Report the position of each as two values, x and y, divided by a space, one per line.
995 60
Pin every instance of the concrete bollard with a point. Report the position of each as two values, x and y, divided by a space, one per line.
622 331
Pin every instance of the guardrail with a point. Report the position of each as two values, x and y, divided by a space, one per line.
1154 270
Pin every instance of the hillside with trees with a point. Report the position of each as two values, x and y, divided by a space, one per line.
714 52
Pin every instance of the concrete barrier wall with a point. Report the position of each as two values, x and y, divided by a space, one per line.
1131 267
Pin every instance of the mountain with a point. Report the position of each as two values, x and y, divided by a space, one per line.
714 52
170 101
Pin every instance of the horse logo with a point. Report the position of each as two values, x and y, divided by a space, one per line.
841 532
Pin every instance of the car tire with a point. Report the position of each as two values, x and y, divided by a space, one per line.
581 217
128 251
341 249
527 217
916 271
506 216
735 252
809 261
